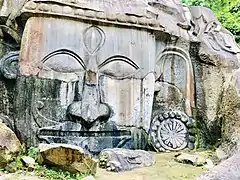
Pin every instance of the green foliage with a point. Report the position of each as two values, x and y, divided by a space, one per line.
54 173
33 152
227 11
229 16
195 2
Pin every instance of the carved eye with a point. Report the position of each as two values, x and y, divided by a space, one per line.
118 66
63 60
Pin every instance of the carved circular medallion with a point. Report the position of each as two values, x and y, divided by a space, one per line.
172 134
170 131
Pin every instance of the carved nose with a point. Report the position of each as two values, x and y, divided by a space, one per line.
89 112
89 108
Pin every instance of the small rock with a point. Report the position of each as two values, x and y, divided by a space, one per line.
9 145
89 178
119 159
13 167
5 156
195 160
221 155
28 161
209 164
68 157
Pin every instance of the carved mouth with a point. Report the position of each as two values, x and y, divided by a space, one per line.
87 124
92 142
59 133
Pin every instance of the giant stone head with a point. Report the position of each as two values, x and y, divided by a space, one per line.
87 83
102 74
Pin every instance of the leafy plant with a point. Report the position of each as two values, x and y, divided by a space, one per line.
54 173
33 152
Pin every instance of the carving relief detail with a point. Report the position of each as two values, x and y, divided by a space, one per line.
9 65
172 130
94 39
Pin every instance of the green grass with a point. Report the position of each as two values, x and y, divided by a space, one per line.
55 173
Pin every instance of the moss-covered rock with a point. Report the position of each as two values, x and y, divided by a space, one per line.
68 157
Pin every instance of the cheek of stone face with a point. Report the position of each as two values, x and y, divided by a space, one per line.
57 92
128 98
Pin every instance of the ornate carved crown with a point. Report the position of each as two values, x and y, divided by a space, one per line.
122 12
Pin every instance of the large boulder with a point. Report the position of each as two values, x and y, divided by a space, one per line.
119 159
68 157
217 57
9 144
230 115
226 170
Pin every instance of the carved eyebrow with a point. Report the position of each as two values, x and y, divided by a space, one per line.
65 52
118 58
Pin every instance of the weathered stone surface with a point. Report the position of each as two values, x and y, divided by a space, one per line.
88 178
230 114
28 161
67 157
9 65
226 170
220 154
9 139
9 11
91 116
194 159
209 164
218 56
172 130
11 7
97 74
9 144
118 159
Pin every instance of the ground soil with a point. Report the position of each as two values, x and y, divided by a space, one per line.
166 168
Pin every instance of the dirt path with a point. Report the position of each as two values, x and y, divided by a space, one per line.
166 168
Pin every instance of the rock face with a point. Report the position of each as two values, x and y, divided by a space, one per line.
108 75
28 161
9 144
228 169
195 160
230 114
218 57
67 157
118 159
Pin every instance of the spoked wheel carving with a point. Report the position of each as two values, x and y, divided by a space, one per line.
173 131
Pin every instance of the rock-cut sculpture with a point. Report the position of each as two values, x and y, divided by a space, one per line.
107 74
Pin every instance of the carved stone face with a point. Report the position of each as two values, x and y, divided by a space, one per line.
104 81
